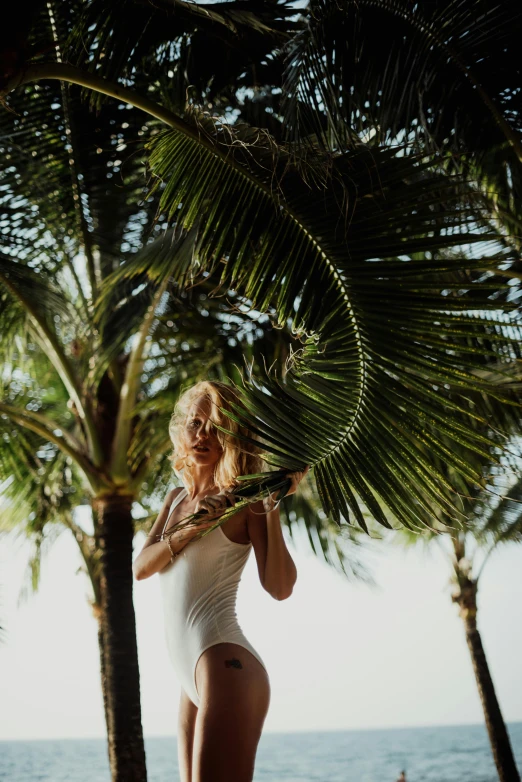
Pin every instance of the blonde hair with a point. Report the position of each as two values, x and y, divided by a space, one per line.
238 456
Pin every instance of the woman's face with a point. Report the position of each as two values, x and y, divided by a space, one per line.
201 437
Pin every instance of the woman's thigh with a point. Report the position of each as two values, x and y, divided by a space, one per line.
234 692
186 727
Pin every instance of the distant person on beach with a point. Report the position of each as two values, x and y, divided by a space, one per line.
225 688
402 777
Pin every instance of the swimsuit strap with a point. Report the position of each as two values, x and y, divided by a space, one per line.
173 505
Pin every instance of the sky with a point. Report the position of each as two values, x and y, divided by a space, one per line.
340 655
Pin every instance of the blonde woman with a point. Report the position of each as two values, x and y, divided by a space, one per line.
225 691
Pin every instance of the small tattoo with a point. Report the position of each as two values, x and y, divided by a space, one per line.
233 663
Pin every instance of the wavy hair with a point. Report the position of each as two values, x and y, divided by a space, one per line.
238 456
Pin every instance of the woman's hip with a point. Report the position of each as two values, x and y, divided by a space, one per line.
234 672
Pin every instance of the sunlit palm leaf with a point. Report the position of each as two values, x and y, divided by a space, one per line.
41 491
379 357
498 177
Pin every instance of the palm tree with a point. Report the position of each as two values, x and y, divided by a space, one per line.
70 219
92 367
49 470
493 517
350 247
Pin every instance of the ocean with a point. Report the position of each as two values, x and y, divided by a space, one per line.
434 754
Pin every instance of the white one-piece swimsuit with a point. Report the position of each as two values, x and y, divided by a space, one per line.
199 590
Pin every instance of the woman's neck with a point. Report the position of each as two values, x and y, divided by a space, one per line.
203 479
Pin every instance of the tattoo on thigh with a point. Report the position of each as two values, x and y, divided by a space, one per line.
233 663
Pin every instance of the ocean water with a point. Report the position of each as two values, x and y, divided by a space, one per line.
439 754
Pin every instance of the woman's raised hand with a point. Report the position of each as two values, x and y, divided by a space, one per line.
212 503
209 508
296 478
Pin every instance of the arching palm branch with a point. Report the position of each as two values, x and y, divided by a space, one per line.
349 257
249 170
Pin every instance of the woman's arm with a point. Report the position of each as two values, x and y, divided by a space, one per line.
155 554
277 571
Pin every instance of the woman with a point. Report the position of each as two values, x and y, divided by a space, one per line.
225 686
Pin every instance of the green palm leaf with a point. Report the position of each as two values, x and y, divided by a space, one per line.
371 243
341 548
340 263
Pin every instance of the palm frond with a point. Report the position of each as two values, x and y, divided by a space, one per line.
128 294
342 549
456 81
33 302
202 47
40 487
378 359
37 292
504 523
74 179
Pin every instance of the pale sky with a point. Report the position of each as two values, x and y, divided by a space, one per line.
340 655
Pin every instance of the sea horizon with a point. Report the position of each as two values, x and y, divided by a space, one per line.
296 731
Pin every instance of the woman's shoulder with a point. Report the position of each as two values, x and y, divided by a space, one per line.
173 493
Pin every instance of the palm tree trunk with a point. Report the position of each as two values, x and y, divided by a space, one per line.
496 727
103 676
119 652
